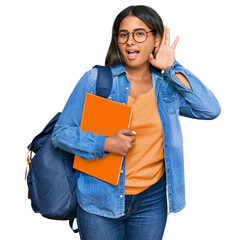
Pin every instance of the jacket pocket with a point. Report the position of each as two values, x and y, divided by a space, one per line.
171 101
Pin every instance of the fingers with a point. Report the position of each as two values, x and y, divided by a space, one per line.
151 59
128 140
166 38
175 43
127 131
164 35
121 142
130 133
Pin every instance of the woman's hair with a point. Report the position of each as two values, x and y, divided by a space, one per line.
148 15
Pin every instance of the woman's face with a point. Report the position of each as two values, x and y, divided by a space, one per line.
136 54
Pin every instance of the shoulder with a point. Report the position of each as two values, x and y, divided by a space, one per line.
88 80
87 83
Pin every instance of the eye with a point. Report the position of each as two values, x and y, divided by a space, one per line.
123 35
139 33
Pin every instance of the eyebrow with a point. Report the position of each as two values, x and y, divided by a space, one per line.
136 29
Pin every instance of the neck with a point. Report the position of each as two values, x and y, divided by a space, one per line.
139 74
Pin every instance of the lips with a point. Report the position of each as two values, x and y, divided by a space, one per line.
132 54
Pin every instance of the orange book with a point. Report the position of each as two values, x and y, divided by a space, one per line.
104 117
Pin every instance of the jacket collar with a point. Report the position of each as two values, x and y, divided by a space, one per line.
119 69
156 75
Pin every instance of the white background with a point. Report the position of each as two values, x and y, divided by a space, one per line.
46 46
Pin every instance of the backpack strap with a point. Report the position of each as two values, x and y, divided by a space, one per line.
71 226
103 89
104 81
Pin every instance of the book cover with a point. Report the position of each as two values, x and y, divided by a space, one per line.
104 117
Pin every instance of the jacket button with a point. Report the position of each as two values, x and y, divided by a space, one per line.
164 124
127 88
168 170
170 194
166 145
121 196
121 171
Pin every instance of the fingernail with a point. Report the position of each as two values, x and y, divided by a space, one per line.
133 132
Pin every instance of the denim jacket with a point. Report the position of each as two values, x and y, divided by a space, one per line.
173 99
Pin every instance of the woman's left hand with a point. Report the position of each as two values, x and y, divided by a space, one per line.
164 54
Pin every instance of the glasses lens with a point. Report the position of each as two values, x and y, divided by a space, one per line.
122 37
140 36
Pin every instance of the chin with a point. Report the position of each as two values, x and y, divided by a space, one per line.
136 64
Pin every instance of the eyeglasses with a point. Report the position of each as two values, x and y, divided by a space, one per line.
138 35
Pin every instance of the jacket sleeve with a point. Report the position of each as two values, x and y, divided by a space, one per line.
67 134
197 102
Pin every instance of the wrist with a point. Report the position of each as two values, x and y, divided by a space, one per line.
169 65
106 145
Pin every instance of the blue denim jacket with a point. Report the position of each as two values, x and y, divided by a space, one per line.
173 99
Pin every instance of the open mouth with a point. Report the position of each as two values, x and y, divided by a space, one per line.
132 54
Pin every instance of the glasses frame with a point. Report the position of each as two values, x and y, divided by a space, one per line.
128 34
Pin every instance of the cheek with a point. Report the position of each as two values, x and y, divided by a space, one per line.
148 49
120 49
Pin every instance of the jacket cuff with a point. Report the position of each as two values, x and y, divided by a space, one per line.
99 146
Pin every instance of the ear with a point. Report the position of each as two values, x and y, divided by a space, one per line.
157 40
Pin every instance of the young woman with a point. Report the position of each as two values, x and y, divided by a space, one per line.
147 77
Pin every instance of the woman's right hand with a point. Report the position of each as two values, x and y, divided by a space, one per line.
121 142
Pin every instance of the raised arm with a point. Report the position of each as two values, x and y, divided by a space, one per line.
196 101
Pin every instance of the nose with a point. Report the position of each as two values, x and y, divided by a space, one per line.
130 39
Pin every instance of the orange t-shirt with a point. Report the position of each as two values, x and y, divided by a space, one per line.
144 163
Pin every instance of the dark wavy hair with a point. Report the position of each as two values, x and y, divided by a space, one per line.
148 15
